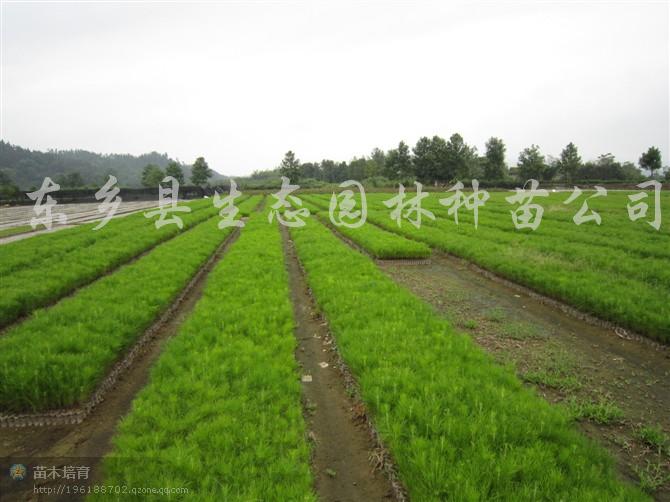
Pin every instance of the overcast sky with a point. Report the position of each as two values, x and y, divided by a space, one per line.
242 83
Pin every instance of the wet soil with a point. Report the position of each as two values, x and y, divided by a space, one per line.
565 359
91 440
343 449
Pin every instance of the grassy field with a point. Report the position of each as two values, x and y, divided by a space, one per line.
617 271
380 243
40 270
222 414
459 426
6 232
58 356
43 268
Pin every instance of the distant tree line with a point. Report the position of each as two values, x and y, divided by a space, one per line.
439 161
431 161
22 169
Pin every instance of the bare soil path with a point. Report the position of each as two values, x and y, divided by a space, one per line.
627 382
343 447
86 443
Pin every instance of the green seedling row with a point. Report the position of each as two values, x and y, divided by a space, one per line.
378 242
459 426
66 268
31 252
613 283
58 356
222 413
382 244
6 232
631 303
623 263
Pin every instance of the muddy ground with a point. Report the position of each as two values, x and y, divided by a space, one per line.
342 447
614 386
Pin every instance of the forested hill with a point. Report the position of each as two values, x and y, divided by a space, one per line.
27 168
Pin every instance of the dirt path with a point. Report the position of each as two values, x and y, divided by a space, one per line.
85 444
626 383
343 447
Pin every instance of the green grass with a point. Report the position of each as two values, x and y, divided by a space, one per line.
22 229
555 369
248 205
30 253
602 410
459 426
618 271
221 414
44 268
495 314
58 356
517 330
470 324
652 476
654 436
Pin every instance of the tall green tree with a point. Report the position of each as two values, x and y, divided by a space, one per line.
459 159
310 170
329 170
651 160
423 159
290 167
440 157
494 159
570 162
399 163
531 163
200 172
174 169
374 165
356 168
631 172
430 159
605 167
152 175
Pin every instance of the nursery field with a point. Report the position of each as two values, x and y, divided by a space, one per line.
618 271
222 413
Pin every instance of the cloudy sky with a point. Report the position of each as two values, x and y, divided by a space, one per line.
241 83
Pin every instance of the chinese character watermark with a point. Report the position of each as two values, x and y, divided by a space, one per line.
227 206
111 202
581 216
47 187
639 210
290 217
527 215
167 203
344 202
406 208
471 203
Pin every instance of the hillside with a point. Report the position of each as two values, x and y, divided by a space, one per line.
27 168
